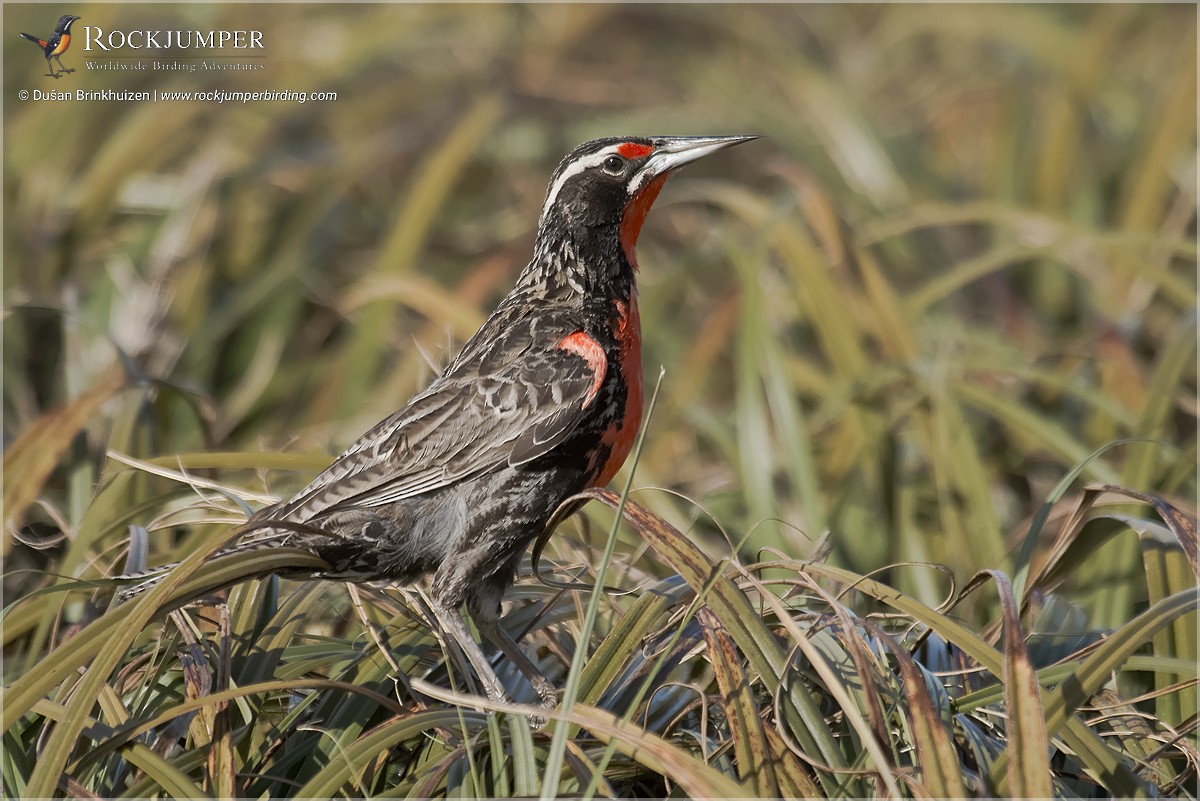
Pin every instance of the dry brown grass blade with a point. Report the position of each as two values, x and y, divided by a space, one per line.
941 773
1029 773
750 747
30 460
793 775
1067 549
1182 526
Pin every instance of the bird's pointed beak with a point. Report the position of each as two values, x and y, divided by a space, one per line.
673 152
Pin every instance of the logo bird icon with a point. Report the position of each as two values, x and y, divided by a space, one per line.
56 44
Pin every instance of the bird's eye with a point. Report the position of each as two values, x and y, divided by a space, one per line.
614 165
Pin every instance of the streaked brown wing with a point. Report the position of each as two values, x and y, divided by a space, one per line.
463 425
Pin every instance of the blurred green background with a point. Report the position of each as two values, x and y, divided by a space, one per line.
960 260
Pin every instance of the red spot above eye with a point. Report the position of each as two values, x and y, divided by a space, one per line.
632 150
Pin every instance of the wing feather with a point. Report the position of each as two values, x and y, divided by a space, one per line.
463 425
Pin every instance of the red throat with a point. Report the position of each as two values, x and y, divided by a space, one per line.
635 215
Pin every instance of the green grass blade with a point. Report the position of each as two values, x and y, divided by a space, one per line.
739 617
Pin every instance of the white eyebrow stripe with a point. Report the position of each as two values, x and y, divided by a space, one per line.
587 162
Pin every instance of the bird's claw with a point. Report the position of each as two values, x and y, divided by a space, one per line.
549 703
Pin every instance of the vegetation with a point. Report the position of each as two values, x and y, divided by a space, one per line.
913 514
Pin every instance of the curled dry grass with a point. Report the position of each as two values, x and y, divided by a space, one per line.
926 440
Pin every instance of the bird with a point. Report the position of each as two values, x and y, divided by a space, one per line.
57 44
543 402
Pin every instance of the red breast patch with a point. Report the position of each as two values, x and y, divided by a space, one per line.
621 435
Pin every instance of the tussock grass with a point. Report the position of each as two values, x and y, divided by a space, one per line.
915 511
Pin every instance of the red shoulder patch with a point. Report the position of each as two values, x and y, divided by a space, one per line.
587 348
632 150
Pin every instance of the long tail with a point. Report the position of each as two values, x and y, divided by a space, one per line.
277 534
33 39
149 579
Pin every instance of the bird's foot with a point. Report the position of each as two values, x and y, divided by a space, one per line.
535 720
548 704
548 695
53 74
538 722
68 69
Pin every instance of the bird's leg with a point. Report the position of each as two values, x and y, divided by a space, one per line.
451 620
64 68
542 685
484 606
